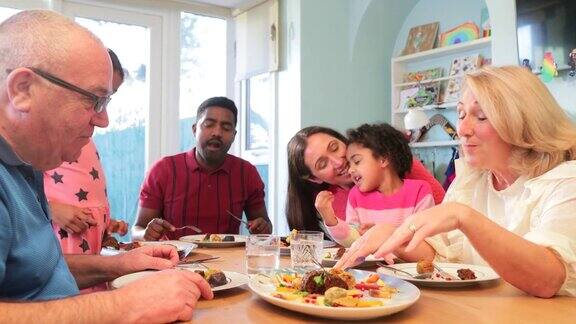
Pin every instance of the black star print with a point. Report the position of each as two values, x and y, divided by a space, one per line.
104 218
57 177
84 246
94 174
82 195
63 234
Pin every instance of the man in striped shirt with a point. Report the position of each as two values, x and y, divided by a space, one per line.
200 187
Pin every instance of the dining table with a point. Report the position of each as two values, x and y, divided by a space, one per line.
495 302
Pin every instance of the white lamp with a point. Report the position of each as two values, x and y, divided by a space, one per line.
415 119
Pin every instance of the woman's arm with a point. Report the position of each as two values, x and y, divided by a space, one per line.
528 266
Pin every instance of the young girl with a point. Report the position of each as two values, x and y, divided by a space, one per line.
379 158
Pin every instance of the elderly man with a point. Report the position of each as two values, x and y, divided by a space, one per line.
203 186
54 91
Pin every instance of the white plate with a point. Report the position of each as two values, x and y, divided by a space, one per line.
180 245
187 246
285 250
239 240
483 274
330 262
235 279
407 295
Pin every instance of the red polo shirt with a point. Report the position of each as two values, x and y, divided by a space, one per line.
186 194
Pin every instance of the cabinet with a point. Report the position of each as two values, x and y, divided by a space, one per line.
436 138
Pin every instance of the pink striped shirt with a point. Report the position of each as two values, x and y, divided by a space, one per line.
376 208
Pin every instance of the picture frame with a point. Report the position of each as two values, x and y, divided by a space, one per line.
421 38
460 66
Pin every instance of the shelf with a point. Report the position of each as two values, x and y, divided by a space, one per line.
435 143
407 84
443 106
443 51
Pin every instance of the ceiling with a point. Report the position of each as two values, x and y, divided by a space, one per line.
233 4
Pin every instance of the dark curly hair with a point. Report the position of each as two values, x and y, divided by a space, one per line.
385 142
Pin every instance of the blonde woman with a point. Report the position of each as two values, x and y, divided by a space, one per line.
513 202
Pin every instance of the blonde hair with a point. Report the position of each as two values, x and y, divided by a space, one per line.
525 115
38 38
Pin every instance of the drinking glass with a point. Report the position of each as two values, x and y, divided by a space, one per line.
306 246
262 253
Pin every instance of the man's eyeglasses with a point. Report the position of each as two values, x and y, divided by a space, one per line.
100 103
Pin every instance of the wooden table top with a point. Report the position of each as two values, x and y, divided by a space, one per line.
497 302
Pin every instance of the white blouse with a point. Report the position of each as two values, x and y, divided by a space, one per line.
541 210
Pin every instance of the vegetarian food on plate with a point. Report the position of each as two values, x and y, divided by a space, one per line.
332 288
217 238
285 241
424 266
335 256
214 277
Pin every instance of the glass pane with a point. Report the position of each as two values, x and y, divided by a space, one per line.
259 112
202 68
121 145
6 12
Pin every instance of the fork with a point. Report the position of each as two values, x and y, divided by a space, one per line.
192 227
425 275
444 273
238 218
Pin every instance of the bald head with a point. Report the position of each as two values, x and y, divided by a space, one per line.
39 38
37 47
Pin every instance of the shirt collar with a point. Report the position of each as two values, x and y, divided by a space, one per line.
191 157
8 155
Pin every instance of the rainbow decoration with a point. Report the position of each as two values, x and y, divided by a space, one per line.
549 67
460 34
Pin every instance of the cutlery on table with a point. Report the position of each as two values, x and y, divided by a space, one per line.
238 219
444 273
195 262
426 275
192 227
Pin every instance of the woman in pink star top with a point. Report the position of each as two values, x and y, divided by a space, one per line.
76 192
379 158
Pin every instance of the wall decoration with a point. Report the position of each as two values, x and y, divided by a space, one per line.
405 95
549 67
459 67
418 76
437 119
460 34
572 63
427 94
421 38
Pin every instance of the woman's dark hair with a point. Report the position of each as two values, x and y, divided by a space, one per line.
385 142
300 210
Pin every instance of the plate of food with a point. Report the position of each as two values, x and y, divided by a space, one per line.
331 255
332 293
285 243
215 240
111 246
218 280
449 275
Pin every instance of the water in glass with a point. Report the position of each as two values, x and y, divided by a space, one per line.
262 253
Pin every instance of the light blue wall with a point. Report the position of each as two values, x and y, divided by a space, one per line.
345 60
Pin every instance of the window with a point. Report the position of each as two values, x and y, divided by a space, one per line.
202 68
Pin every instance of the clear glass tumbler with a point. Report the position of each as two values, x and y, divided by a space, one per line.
305 247
262 253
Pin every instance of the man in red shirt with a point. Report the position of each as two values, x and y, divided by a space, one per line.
201 186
